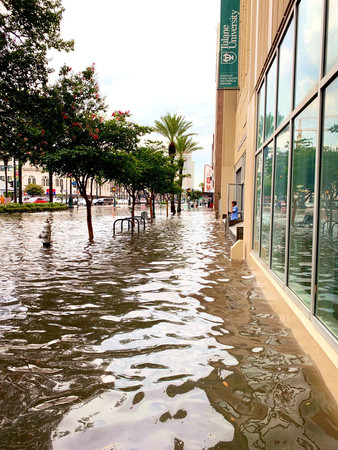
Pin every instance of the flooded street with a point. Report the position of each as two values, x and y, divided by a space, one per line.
151 342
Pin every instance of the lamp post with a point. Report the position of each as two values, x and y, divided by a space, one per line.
114 191
172 152
70 203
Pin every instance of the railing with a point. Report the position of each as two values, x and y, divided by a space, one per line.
131 223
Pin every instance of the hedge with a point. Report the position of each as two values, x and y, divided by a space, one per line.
31 207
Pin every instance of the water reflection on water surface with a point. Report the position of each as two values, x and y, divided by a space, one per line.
156 341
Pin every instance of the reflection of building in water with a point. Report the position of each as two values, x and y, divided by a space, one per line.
276 134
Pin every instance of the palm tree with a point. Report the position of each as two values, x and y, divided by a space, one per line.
172 127
184 145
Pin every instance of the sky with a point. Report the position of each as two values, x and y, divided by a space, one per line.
152 57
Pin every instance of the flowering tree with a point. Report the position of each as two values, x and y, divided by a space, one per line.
70 132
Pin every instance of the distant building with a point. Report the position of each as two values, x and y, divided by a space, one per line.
276 150
189 169
61 186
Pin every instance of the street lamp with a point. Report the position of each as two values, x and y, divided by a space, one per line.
172 152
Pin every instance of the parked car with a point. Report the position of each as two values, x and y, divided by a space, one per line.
57 200
103 201
36 200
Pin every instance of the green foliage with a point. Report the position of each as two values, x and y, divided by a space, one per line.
29 28
195 195
31 207
34 189
172 126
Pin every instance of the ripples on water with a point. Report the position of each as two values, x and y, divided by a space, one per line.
156 341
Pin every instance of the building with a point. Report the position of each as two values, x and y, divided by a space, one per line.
61 186
276 150
189 171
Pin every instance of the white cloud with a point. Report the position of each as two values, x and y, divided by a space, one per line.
152 57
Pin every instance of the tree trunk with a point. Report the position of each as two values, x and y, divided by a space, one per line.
89 219
167 204
14 182
172 207
6 176
51 187
20 182
151 207
179 200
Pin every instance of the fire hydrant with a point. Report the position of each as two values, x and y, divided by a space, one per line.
46 234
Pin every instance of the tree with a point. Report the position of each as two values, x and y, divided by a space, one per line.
34 189
28 29
158 173
71 131
184 145
172 127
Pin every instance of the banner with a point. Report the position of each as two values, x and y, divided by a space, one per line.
229 43
208 174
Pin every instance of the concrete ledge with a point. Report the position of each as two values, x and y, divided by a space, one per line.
236 251
307 335
236 231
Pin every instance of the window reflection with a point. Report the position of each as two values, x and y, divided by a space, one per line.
270 100
327 293
308 47
266 207
280 202
302 198
332 35
257 220
285 76
261 103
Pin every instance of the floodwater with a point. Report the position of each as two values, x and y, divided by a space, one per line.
151 342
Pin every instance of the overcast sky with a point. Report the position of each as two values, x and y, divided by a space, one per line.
152 57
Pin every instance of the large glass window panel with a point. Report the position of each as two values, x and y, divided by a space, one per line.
280 202
308 47
302 201
327 281
270 100
331 55
285 75
258 190
260 118
266 207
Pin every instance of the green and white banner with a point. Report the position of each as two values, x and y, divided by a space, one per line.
229 43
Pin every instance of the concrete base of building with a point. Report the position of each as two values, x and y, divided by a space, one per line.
236 251
307 335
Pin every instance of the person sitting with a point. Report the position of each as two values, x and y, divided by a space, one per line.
234 214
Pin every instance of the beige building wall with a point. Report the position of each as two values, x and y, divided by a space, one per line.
262 23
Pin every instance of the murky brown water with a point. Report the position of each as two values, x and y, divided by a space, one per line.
151 342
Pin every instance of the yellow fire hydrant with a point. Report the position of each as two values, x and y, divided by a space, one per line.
46 234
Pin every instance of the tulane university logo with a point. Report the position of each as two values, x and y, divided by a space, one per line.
228 57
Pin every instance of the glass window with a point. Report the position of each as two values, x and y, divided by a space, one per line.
302 198
270 100
327 281
285 75
257 220
261 105
280 202
332 35
266 207
308 47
